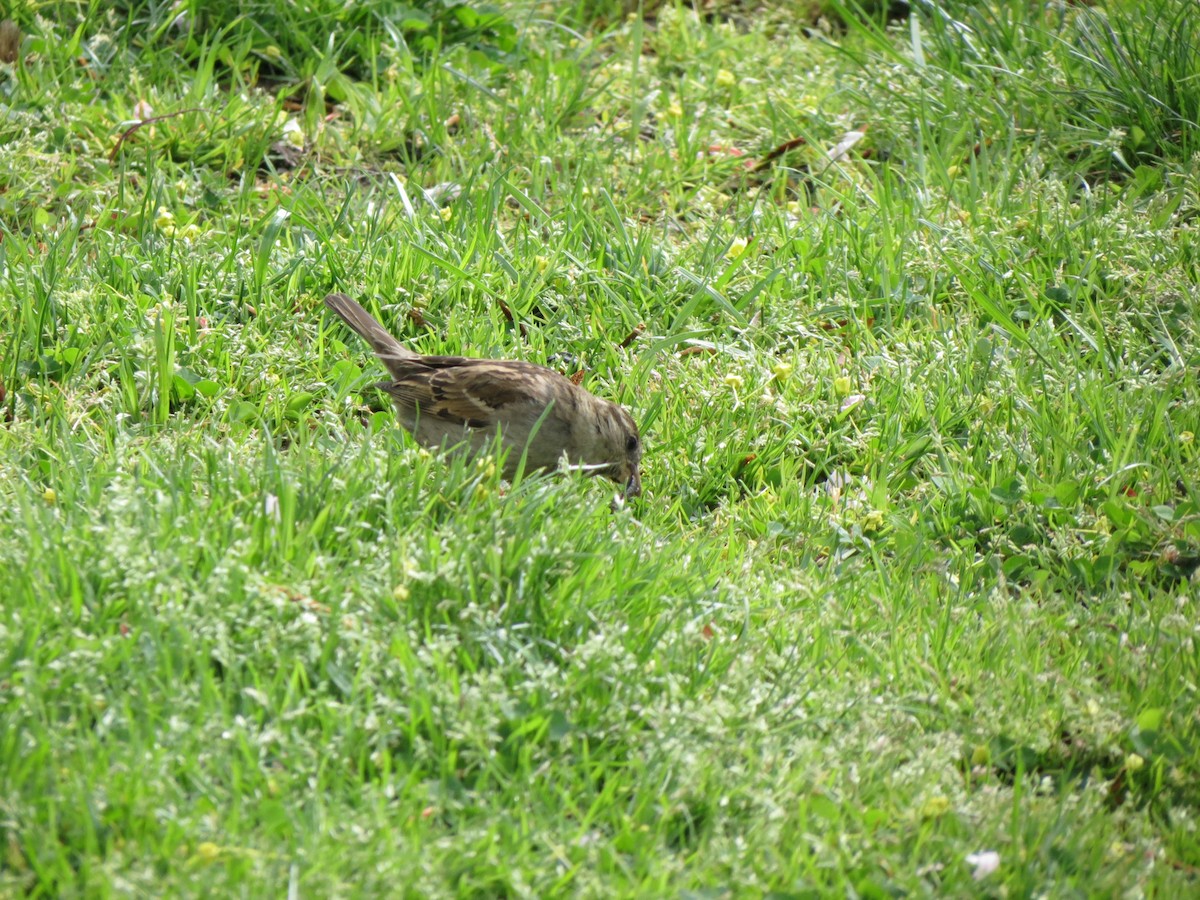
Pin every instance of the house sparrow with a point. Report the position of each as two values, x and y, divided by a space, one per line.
447 400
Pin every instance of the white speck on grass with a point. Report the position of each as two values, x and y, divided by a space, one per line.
983 863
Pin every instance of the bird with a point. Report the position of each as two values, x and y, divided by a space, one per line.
448 401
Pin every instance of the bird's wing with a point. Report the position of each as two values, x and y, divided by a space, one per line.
477 393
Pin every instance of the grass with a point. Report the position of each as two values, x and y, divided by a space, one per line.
914 576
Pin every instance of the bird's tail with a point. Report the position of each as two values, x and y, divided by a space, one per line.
389 350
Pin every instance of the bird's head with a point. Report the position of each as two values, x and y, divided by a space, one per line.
616 450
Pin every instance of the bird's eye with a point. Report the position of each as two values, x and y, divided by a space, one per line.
631 443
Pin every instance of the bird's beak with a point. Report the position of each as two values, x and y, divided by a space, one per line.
633 487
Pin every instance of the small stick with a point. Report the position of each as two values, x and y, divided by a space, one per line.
128 132
633 335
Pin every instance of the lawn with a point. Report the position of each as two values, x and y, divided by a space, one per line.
907 310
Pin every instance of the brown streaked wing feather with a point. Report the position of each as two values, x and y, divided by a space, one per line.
472 392
411 391
494 386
